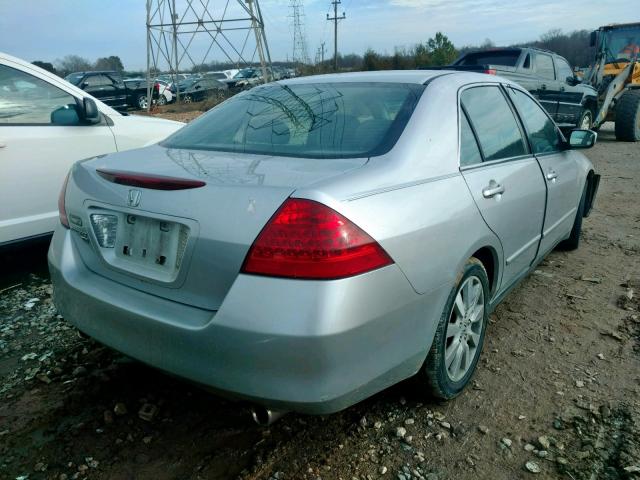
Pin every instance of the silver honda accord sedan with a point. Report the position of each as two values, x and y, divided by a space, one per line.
310 242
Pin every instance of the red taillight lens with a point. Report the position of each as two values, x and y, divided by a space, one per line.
306 239
62 211
490 71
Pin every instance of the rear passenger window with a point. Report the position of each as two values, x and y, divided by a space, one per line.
544 66
494 123
542 132
527 61
469 151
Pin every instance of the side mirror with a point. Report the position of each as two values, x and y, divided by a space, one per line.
582 139
592 39
84 85
90 112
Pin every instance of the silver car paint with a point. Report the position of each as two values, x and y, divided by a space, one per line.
309 346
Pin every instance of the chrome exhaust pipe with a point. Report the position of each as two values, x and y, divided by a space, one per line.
265 417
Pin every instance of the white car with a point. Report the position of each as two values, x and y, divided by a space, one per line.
46 124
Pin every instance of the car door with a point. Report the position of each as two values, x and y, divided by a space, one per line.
548 88
570 96
101 87
558 166
41 136
119 90
506 184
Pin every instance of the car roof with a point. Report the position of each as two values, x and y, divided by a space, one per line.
418 77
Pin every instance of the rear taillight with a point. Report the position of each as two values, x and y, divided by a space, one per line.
308 240
490 71
62 210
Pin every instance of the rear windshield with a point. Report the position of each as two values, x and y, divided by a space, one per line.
507 58
74 78
322 120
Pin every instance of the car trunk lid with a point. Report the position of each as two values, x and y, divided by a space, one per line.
188 243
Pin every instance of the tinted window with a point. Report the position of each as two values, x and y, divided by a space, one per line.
540 129
527 61
469 151
508 58
564 70
544 66
97 80
322 120
27 99
494 123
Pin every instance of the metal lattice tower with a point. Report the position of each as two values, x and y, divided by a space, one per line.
182 34
300 54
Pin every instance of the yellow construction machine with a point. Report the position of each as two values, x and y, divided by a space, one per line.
615 74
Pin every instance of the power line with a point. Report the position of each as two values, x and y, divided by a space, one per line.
335 19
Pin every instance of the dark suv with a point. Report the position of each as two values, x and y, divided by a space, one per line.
545 74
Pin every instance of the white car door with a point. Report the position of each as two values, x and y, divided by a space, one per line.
41 136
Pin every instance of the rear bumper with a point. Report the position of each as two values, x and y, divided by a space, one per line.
313 347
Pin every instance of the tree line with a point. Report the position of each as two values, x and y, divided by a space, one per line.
437 50
76 63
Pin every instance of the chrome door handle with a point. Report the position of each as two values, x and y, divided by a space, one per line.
543 86
551 175
492 190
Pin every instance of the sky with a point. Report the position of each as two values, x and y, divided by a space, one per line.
48 30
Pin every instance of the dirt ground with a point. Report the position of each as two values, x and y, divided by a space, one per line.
557 390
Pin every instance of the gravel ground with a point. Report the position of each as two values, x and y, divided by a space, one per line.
557 393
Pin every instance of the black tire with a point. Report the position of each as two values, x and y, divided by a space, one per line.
434 376
573 242
586 120
628 117
187 99
162 100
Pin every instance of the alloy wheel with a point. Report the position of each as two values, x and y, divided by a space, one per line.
464 329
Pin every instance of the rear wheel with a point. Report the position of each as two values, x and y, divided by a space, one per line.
628 116
162 100
187 99
573 242
459 336
142 102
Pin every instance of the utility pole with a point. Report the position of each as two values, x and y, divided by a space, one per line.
335 19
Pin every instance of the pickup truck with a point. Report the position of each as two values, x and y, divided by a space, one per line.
110 88
545 74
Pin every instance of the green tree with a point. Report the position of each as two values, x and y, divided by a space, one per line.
421 56
371 60
441 50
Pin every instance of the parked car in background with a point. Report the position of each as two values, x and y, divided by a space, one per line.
217 75
165 93
546 75
111 88
317 240
245 78
197 89
46 124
